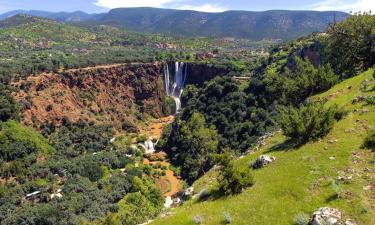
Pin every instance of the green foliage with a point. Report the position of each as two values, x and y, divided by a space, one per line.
144 203
227 218
9 109
91 187
350 44
238 120
370 100
370 140
292 86
141 139
75 139
196 143
301 219
308 122
17 141
233 179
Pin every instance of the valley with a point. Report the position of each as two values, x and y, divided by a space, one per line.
105 121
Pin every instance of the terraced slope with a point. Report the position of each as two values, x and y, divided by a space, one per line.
300 180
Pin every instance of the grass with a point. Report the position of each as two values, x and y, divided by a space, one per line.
300 180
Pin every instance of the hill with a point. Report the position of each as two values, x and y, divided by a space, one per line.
59 16
274 24
300 180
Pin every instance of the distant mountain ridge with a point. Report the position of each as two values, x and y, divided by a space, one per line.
274 24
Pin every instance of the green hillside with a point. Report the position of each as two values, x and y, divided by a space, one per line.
300 180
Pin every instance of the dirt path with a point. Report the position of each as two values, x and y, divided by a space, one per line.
175 184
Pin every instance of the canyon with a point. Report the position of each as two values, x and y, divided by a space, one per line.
109 94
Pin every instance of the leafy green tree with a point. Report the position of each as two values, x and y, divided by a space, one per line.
350 44
195 145
9 108
308 122
233 179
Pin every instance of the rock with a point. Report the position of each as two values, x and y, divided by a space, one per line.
325 148
349 222
368 187
331 141
262 160
344 178
168 202
364 110
188 193
332 158
325 216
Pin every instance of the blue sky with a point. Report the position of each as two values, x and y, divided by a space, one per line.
201 5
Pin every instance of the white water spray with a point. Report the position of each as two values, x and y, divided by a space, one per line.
180 76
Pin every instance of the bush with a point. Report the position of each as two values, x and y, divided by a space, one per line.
233 179
370 100
301 219
196 142
227 218
308 122
9 109
141 139
370 141
197 219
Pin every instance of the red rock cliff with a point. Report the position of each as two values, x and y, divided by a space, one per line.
103 94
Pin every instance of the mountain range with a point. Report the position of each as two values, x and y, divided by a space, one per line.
274 24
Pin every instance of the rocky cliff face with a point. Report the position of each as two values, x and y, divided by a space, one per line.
200 73
105 94
113 94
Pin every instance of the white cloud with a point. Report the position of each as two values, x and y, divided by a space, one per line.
341 5
202 8
131 3
176 4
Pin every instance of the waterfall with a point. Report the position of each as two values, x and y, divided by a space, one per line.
180 76
149 146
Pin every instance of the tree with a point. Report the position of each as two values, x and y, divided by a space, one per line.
308 122
233 179
350 44
195 145
8 107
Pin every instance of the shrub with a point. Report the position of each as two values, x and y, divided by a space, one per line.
337 191
370 140
141 139
370 100
129 126
301 219
227 218
233 179
49 108
197 219
308 122
9 108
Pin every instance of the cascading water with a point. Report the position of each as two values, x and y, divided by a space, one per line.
180 76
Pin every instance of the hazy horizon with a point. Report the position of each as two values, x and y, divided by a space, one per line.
101 6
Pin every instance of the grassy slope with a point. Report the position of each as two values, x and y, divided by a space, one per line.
300 179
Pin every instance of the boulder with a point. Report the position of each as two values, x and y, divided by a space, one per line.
326 216
188 193
168 202
263 160
350 222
